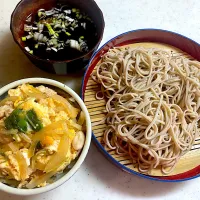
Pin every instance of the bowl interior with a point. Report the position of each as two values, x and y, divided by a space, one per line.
27 7
75 164
64 94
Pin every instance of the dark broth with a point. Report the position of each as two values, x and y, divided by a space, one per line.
67 53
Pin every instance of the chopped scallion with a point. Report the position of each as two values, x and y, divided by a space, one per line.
56 29
69 19
34 28
27 28
29 18
29 37
74 44
67 11
50 12
67 33
53 48
40 14
23 39
50 29
40 27
83 25
27 49
36 46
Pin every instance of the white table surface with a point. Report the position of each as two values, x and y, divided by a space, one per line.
97 178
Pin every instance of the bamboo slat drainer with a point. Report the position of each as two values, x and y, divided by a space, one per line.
97 112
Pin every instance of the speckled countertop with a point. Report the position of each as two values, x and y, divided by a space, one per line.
97 178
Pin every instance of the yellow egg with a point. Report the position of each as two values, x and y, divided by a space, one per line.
71 133
61 115
41 111
18 102
15 92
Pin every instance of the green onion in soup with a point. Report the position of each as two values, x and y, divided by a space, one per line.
59 34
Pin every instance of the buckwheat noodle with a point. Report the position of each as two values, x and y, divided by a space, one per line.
153 105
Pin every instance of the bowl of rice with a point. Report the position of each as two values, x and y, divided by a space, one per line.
45 134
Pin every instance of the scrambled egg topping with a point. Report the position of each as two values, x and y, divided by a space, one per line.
33 131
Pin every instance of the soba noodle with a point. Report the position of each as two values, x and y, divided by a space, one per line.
153 105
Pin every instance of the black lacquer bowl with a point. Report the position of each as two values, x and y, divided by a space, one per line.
62 67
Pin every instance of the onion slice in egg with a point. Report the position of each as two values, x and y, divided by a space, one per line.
72 112
60 156
23 167
11 98
39 180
